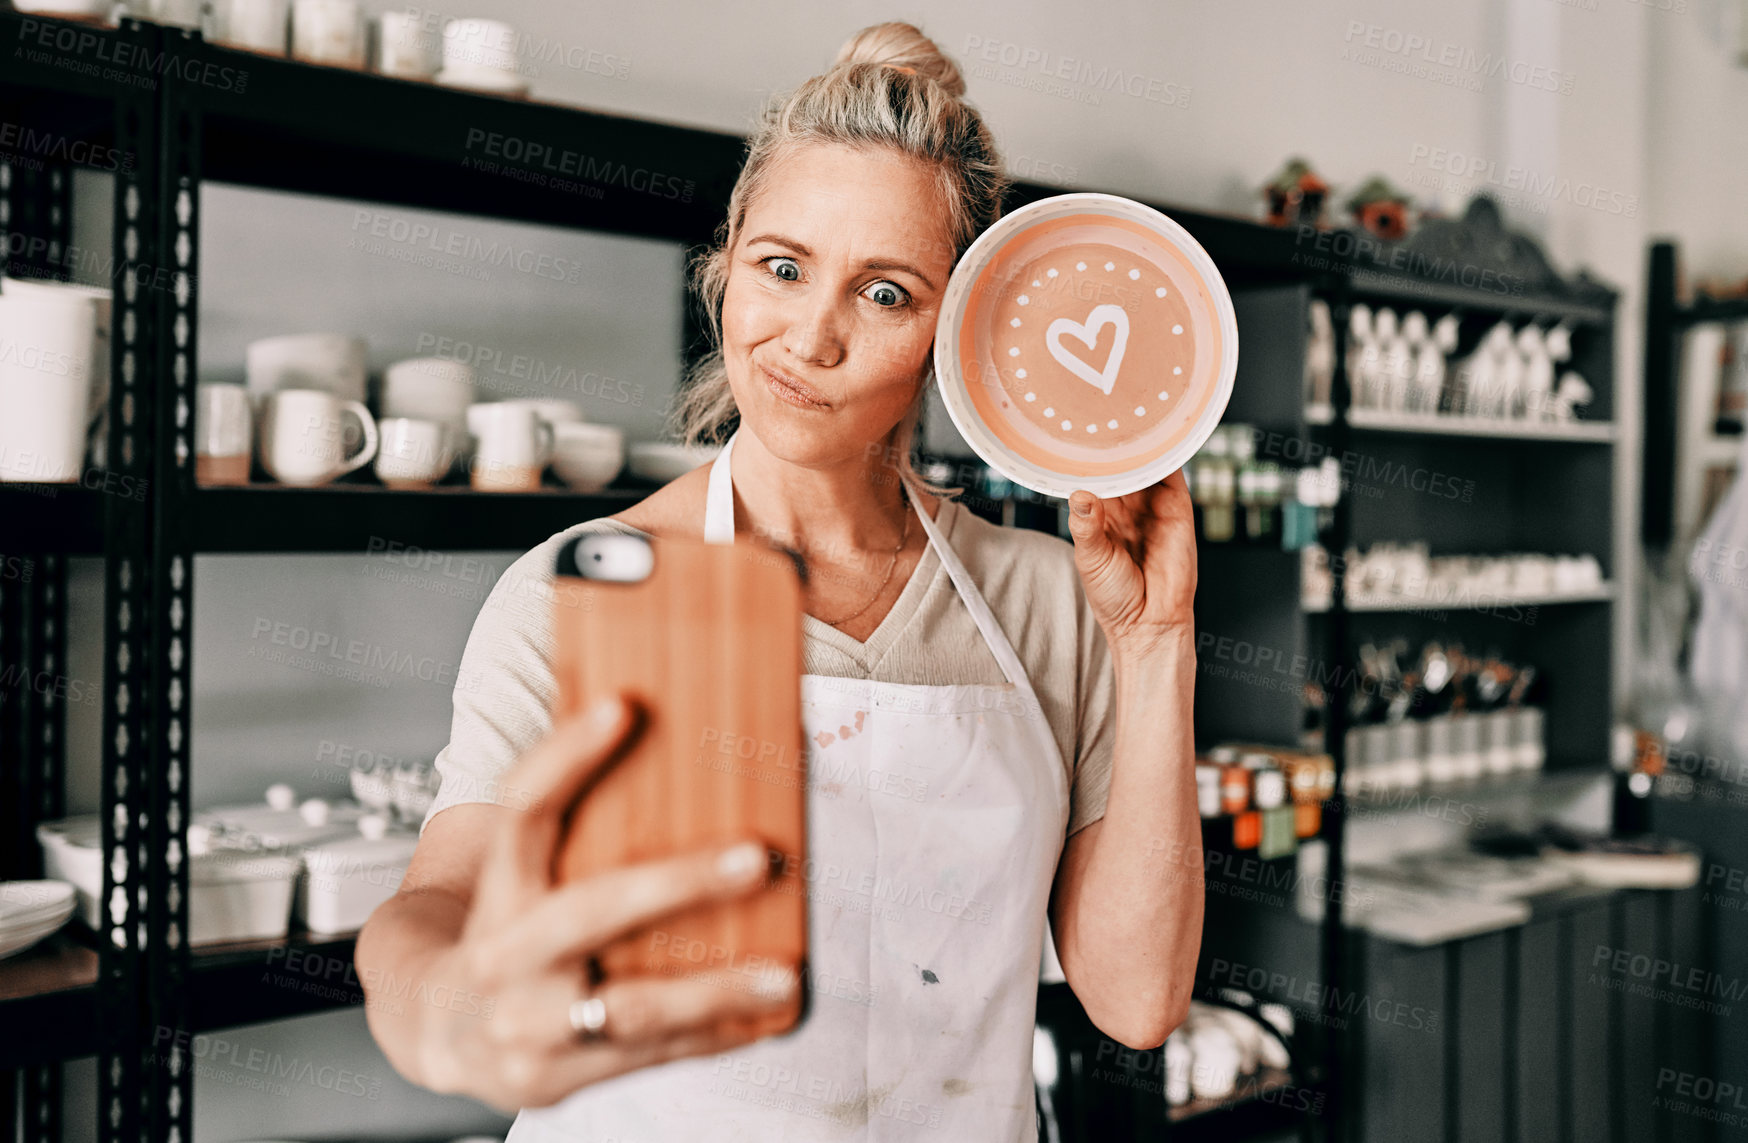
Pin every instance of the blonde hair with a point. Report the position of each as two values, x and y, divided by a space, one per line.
890 86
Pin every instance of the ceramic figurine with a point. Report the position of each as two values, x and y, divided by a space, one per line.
1538 376
1319 355
1429 379
1381 209
1489 374
1445 333
1559 343
1506 400
1573 391
1362 351
1397 372
1359 323
1295 195
1477 377
1414 329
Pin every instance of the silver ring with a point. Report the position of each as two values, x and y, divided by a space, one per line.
588 1015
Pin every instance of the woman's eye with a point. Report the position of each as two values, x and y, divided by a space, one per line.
886 295
777 266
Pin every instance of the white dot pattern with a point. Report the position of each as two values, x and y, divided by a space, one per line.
1134 274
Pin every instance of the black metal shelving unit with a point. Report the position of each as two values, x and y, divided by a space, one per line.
1667 318
183 112
1546 488
167 111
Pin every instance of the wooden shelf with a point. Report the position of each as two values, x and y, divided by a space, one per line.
48 998
51 989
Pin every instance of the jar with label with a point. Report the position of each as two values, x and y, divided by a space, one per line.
1213 487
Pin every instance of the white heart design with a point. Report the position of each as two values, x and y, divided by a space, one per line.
1088 333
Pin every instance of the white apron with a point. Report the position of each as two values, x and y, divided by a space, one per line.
936 816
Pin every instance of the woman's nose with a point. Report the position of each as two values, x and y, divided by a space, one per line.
815 332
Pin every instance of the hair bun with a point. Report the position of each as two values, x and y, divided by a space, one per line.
903 46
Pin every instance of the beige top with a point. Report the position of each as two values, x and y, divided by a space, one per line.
505 687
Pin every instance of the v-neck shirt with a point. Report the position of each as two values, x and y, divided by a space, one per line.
505 686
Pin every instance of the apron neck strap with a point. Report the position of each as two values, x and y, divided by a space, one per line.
719 529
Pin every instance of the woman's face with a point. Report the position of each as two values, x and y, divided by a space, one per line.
834 285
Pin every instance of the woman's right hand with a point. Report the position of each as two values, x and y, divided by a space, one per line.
526 940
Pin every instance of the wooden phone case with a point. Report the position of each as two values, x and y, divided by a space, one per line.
709 643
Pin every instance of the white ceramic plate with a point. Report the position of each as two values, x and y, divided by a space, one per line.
32 910
24 902
1086 341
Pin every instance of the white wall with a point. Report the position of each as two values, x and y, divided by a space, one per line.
1653 116
1694 156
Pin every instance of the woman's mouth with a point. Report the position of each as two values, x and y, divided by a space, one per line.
791 391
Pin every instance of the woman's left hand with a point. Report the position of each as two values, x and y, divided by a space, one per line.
1137 560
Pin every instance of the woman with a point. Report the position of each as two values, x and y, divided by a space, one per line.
1035 694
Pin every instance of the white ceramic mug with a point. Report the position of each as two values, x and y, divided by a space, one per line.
431 389
513 445
101 299
403 47
303 437
47 344
413 453
553 410
222 433
255 25
328 32
333 362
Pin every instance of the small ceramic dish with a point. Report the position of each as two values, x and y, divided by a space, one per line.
1086 341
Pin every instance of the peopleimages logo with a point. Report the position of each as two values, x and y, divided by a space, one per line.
62 149
439 240
1396 257
119 59
1412 51
1476 169
542 157
1067 76
39 360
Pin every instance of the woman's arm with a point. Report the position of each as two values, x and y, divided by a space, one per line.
471 969
1127 907
1127 911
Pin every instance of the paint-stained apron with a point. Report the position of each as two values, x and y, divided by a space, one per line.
936 816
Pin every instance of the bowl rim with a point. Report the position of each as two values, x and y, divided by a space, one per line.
956 300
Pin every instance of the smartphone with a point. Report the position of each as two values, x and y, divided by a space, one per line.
707 637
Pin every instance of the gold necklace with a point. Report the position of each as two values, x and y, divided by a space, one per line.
903 539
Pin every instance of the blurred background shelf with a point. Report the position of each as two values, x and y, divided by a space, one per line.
361 517
1601 594
49 993
1378 420
1264 1087
48 1003
53 518
1542 783
256 981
